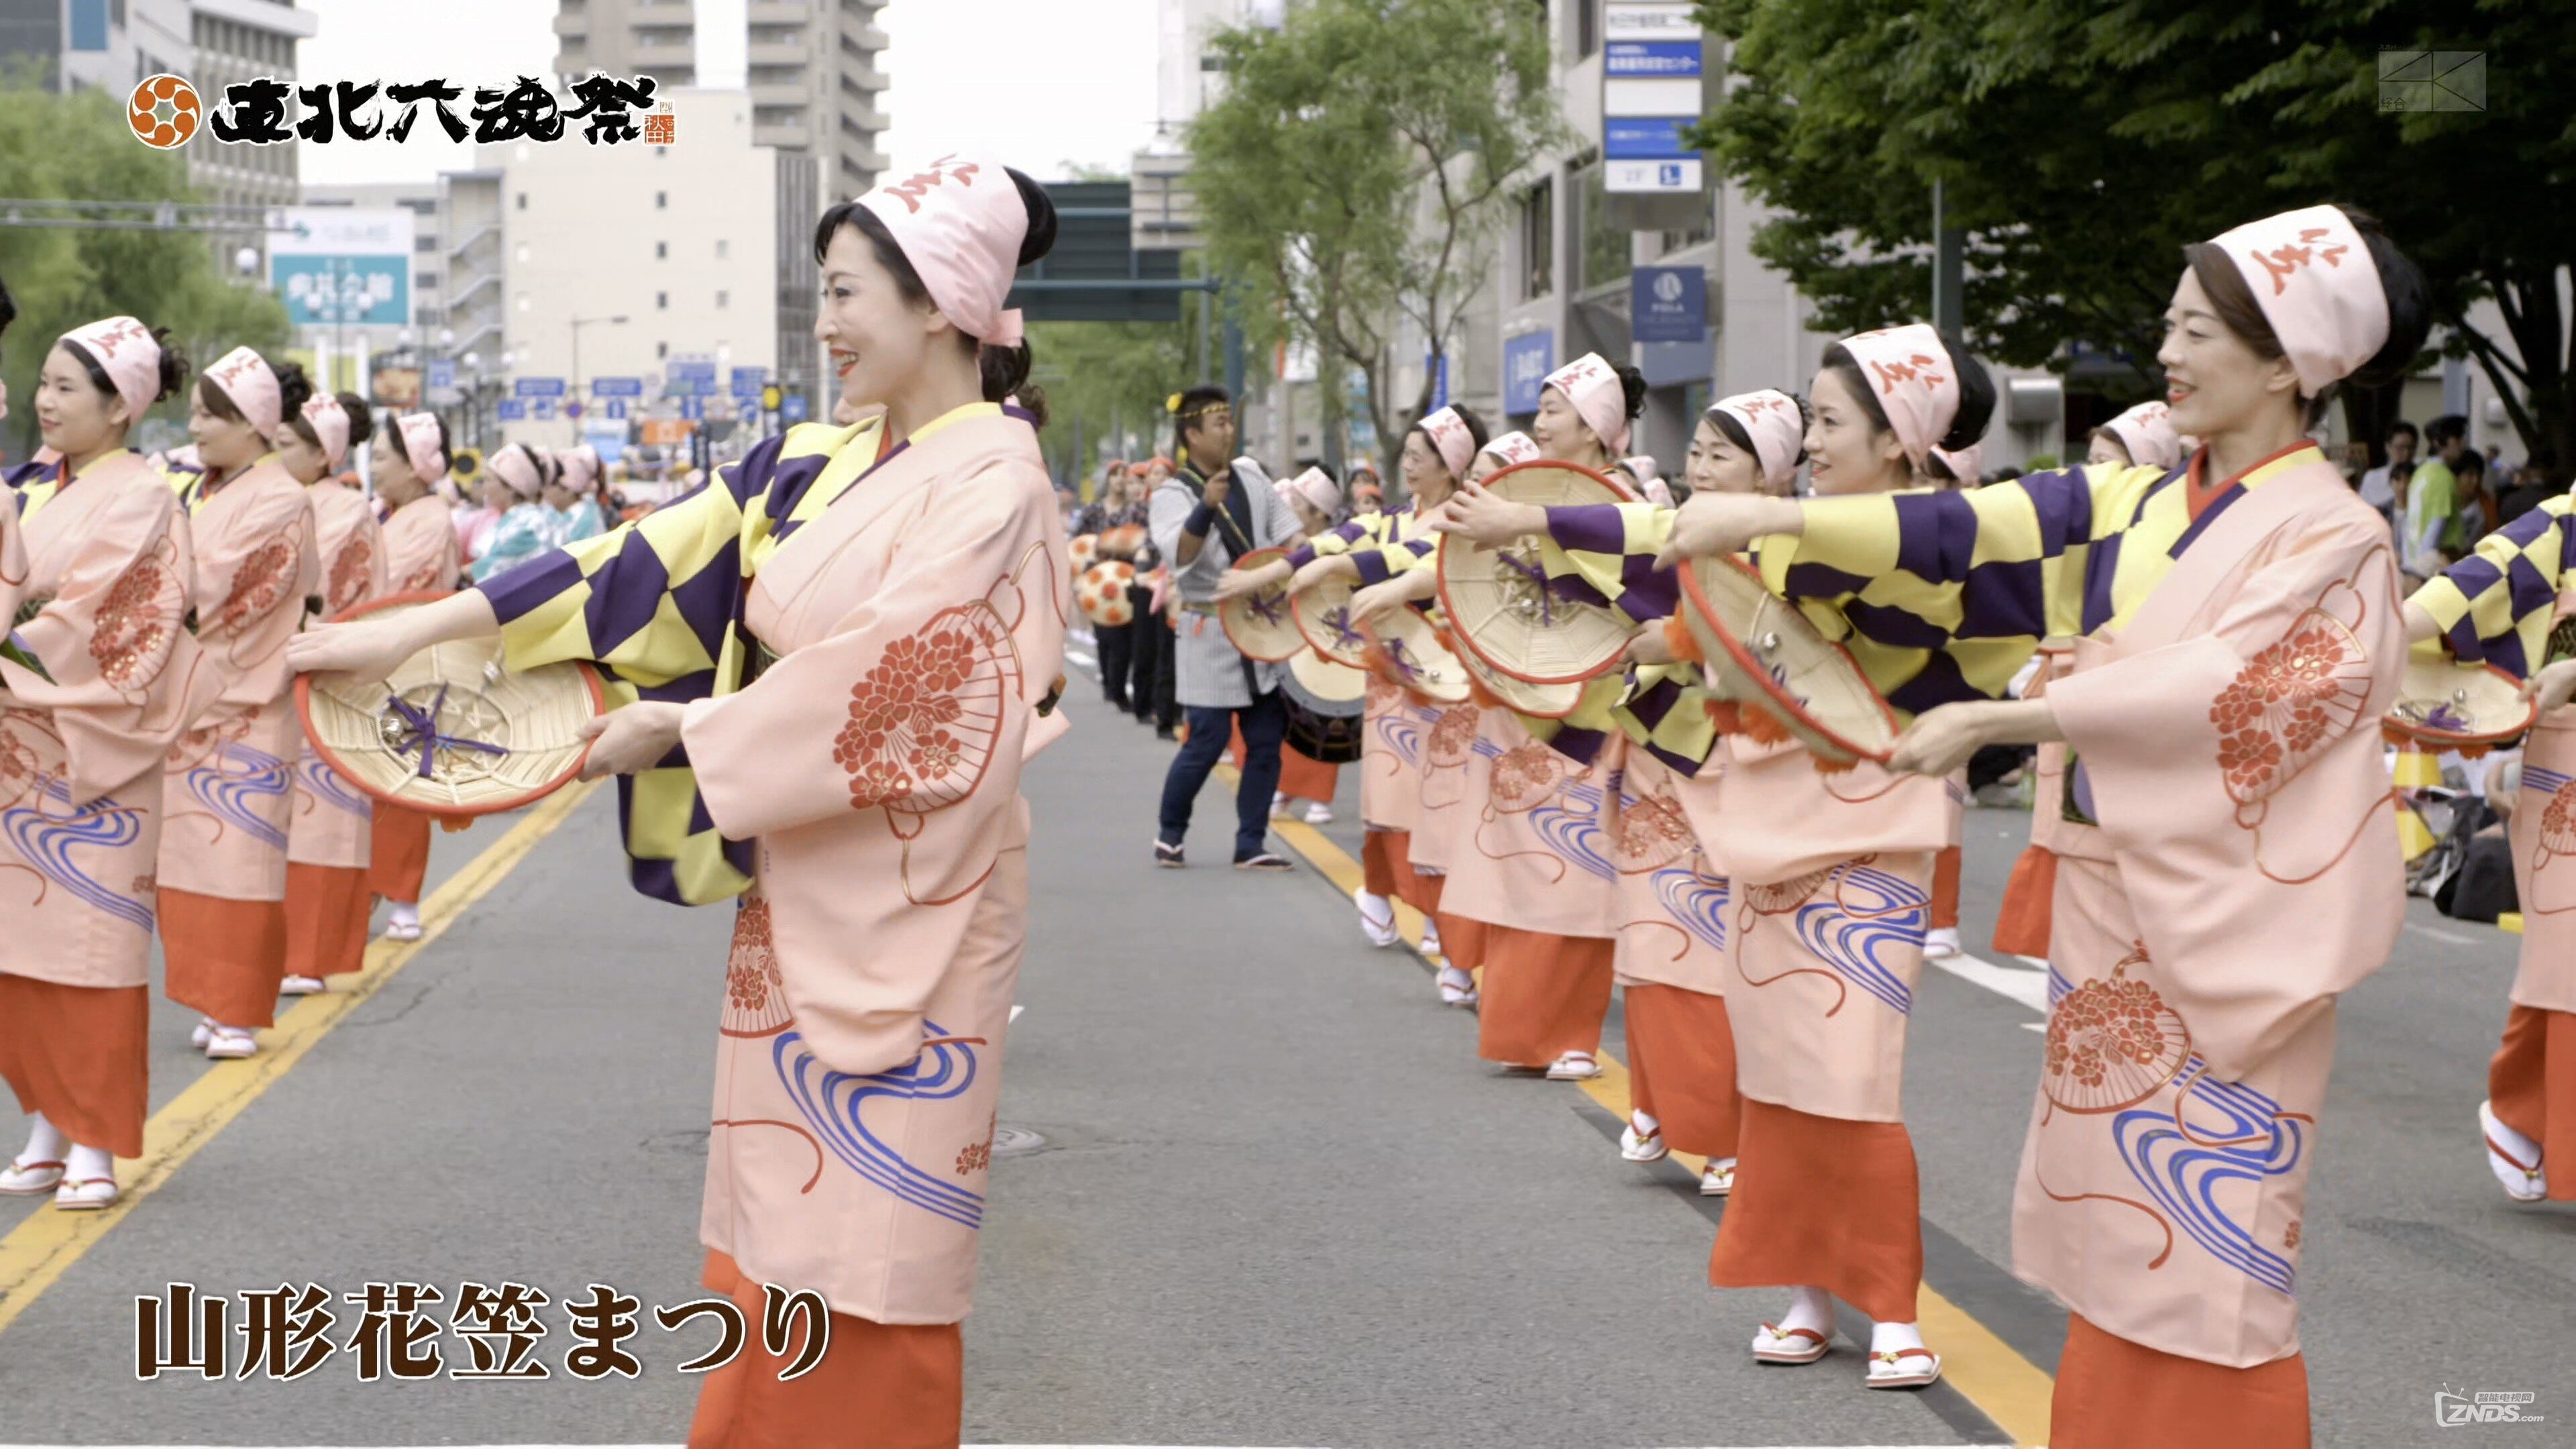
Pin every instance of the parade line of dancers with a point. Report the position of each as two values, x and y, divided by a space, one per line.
833 661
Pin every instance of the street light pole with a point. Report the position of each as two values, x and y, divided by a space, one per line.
574 400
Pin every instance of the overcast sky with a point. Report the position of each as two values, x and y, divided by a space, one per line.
1048 84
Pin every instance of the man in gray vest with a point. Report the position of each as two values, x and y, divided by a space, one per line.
1209 513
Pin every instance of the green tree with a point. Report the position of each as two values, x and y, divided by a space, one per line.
1101 376
1353 172
2082 146
78 147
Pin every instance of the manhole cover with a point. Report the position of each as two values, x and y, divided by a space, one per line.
1015 1141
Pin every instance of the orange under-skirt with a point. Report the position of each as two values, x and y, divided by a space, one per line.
1681 1067
1420 891
2022 921
1542 995
2114 1394
1462 941
2531 1084
223 958
1823 1202
80 1055
399 858
1384 868
326 918
1945 889
879 1385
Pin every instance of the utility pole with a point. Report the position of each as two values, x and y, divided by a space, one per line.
1949 269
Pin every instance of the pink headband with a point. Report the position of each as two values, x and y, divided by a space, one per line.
1599 398
125 350
1451 440
420 445
1909 369
1318 489
1770 420
517 469
581 469
960 224
1648 473
1965 464
2313 276
2147 431
1511 449
244 377
331 425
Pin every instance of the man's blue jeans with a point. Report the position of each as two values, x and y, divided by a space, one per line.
1265 722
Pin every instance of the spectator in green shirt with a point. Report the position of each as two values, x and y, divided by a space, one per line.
2433 520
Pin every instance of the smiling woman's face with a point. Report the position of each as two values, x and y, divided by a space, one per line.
876 337
1847 451
2215 381
1717 465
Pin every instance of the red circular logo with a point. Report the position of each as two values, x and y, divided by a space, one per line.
164 112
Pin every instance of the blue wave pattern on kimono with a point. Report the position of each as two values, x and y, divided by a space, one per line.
324 783
1575 832
833 1102
46 842
234 794
1399 731
2184 1176
1696 904
1896 916
2543 782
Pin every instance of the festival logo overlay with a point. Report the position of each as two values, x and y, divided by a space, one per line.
603 110
395 1331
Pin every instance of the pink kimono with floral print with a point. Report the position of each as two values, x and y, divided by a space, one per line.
1531 855
1447 800
1671 896
228 776
81 753
2244 872
329 820
919 623
421 554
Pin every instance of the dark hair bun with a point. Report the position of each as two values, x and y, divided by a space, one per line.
174 365
1976 396
358 411
1633 383
294 389
1040 239
2410 303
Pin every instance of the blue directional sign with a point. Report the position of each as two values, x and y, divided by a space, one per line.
700 369
617 387
1645 138
542 409
1672 59
748 381
539 387
616 408
331 291
693 409
512 410
442 374
791 408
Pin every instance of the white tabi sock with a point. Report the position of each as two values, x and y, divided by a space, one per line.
45 1141
1644 1123
404 914
89 1162
1809 1308
1890 1337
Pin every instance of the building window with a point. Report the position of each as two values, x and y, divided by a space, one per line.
723 248
424 242
722 299
1538 240
661 251
89 25
661 201
425 281
523 201
661 350
1587 28
662 301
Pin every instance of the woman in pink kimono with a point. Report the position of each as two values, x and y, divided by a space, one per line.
907 636
422 556
96 682
1830 884
2503 606
2229 862
329 820
223 849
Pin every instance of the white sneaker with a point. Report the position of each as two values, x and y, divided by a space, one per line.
1319 813
2513 1158
1377 919
1940 944
301 986
1574 1067
1457 988
1642 1149
231 1044
1719 1180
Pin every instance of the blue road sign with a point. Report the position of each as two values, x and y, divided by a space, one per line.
748 381
616 409
538 387
512 410
791 408
617 387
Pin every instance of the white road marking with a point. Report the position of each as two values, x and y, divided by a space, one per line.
2016 983
2452 937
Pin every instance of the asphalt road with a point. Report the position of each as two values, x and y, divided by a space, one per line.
1278 1201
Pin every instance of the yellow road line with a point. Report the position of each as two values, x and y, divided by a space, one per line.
2005 1387
39 1249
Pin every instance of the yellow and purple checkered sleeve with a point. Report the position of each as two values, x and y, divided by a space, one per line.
2498 605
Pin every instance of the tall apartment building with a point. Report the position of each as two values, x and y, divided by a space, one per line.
811 70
